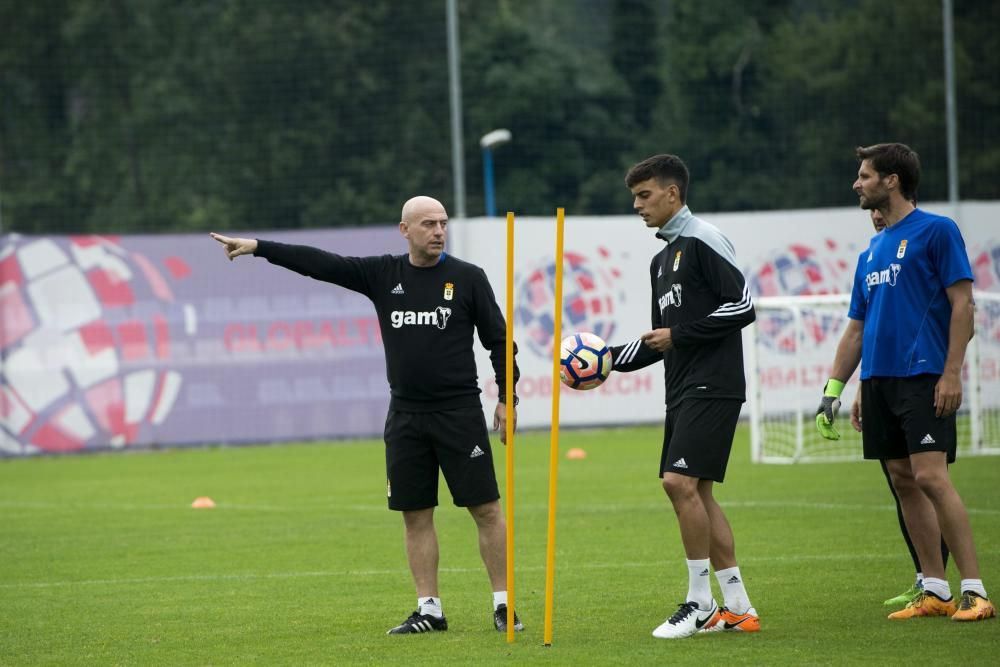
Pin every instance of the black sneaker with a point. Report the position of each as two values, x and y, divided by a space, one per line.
418 622
500 620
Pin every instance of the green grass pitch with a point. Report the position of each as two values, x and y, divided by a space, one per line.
103 561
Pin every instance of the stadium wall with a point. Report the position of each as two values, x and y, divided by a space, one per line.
606 290
145 341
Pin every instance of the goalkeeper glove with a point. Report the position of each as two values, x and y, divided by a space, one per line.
829 405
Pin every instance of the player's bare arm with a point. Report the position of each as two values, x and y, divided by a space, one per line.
848 355
948 391
658 339
845 361
235 247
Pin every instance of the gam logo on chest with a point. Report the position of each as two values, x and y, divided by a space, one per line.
883 277
437 317
671 298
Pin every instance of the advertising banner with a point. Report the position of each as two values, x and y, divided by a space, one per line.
126 341
607 291
159 340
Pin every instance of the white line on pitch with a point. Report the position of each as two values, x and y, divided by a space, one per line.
403 572
132 507
581 507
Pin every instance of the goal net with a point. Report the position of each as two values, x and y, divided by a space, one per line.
789 355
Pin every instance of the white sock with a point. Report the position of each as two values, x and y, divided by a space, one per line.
699 583
975 586
920 579
430 606
499 598
734 593
938 587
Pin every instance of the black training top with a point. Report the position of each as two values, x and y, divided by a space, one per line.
426 314
703 298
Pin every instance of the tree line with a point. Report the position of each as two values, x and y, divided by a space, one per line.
123 116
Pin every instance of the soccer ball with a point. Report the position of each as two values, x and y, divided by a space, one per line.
584 361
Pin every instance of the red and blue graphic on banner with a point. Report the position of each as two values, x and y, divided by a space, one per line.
110 342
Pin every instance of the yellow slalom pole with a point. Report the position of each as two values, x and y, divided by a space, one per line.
550 550
509 431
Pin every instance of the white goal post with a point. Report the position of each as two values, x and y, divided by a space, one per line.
790 350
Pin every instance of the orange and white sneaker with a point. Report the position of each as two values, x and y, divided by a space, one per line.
974 607
730 621
925 604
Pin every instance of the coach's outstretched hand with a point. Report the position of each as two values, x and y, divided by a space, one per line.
828 408
235 247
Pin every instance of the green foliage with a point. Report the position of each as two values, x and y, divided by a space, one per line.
123 116
566 109
301 563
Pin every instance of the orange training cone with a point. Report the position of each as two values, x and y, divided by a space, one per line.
576 453
203 502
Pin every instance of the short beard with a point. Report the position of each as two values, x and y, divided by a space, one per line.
871 203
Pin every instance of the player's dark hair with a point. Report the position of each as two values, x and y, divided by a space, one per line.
665 169
892 158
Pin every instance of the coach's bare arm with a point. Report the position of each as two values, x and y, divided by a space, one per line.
235 247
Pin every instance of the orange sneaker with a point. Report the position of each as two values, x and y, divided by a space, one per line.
732 622
974 607
925 604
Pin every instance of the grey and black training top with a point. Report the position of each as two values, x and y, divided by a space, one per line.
703 298
426 315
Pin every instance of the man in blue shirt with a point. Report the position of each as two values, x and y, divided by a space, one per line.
911 317
901 600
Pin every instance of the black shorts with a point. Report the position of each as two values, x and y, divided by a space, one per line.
418 444
897 418
698 436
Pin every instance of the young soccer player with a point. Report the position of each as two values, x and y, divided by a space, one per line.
700 302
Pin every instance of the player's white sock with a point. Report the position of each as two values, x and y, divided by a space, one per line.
975 586
938 587
699 583
733 591
499 598
920 580
430 606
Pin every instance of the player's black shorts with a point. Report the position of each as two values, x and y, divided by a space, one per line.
418 444
698 436
897 418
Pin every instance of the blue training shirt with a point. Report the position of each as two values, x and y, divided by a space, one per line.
899 293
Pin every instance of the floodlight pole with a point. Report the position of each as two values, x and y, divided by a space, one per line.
455 96
951 121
